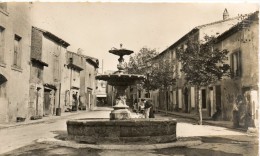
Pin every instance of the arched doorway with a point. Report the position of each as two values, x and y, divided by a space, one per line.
3 99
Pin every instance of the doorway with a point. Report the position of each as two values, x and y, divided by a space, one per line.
186 100
47 102
3 100
203 99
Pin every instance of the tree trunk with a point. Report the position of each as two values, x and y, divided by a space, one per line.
199 106
166 107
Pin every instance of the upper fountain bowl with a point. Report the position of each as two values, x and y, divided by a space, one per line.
120 52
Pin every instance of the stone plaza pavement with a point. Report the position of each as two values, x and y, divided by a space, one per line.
17 135
209 121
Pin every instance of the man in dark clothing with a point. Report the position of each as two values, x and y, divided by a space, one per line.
149 109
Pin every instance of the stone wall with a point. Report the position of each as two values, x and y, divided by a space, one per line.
36 49
14 102
102 131
88 85
246 41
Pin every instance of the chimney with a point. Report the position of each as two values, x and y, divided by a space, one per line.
225 14
80 51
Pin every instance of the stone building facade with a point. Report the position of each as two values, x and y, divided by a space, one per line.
71 79
101 93
48 54
88 82
242 42
183 98
15 43
36 71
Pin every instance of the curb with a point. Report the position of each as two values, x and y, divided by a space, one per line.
52 118
73 144
205 122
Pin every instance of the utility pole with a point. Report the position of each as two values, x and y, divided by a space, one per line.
102 65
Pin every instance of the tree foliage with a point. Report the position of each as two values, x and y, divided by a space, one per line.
202 63
159 74
138 63
163 73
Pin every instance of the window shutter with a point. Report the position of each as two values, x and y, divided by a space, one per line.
239 63
232 65
19 55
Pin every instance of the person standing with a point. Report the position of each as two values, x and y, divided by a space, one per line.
151 111
148 107
135 106
236 116
141 105
75 101
249 114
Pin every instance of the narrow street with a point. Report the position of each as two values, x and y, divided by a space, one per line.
216 140
15 137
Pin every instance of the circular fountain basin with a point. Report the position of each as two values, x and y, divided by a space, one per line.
103 131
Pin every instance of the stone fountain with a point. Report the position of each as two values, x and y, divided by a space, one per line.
120 80
120 127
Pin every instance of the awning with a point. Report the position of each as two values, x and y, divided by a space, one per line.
101 95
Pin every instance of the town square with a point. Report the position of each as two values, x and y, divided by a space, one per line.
121 78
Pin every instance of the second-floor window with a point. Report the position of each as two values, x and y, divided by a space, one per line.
235 64
17 51
1 44
56 68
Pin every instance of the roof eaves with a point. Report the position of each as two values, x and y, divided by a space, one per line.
39 62
92 62
235 28
183 38
216 22
53 37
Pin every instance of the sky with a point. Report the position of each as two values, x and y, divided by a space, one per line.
96 27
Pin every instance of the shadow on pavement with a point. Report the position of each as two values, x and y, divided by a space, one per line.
192 152
61 135
52 150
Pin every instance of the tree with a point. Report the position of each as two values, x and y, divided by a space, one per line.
203 64
159 73
162 76
139 64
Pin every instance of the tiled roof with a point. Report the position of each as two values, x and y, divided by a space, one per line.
238 26
53 37
194 30
91 60
217 22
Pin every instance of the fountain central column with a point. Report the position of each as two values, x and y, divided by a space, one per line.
120 80
120 111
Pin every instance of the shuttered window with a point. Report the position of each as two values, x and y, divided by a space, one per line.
236 66
17 51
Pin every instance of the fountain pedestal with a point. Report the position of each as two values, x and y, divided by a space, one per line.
120 111
120 114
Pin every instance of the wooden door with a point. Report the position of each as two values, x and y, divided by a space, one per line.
47 102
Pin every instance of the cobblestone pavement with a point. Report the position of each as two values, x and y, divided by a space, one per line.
217 141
